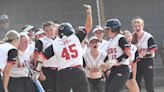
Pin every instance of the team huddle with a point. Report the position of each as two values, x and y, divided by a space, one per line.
63 59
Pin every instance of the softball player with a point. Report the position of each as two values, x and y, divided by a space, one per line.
118 53
20 80
68 51
49 68
99 33
29 30
146 48
93 58
39 34
8 54
131 82
4 25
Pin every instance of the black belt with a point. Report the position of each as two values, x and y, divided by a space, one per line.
119 65
51 68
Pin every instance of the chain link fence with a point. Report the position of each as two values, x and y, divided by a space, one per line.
22 12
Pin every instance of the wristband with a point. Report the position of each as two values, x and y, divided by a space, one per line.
38 66
122 58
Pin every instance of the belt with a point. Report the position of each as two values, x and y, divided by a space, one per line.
77 66
119 65
72 67
52 68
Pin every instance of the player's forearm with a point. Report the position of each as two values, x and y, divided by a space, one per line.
6 75
88 24
39 62
134 70
5 80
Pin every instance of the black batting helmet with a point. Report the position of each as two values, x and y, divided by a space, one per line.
114 24
65 29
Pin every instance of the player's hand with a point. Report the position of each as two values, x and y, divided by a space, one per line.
112 63
142 54
42 77
41 58
103 67
88 8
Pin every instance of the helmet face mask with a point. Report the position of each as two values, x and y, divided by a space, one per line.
65 29
114 24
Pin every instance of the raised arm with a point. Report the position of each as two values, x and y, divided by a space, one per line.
88 24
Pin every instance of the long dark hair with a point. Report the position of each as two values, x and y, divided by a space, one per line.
135 38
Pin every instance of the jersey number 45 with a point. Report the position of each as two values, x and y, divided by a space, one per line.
69 52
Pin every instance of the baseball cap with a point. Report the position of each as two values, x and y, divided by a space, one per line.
39 31
11 35
93 38
26 28
97 28
4 17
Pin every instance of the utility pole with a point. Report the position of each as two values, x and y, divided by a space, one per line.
100 12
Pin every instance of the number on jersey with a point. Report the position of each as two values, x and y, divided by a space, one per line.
71 52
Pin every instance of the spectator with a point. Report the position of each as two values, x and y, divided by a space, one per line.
4 25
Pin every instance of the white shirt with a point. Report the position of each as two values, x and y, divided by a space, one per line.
103 45
31 48
143 42
115 50
84 49
94 63
4 49
52 62
23 71
68 52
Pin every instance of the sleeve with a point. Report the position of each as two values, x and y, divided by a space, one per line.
84 64
106 58
136 59
152 44
12 55
49 52
81 35
38 46
123 43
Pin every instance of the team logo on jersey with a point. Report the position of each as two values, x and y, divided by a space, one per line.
111 50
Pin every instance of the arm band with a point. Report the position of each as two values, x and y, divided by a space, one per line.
148 55
122 57
39 66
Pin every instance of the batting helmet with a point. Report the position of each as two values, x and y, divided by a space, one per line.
65 29
114 24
